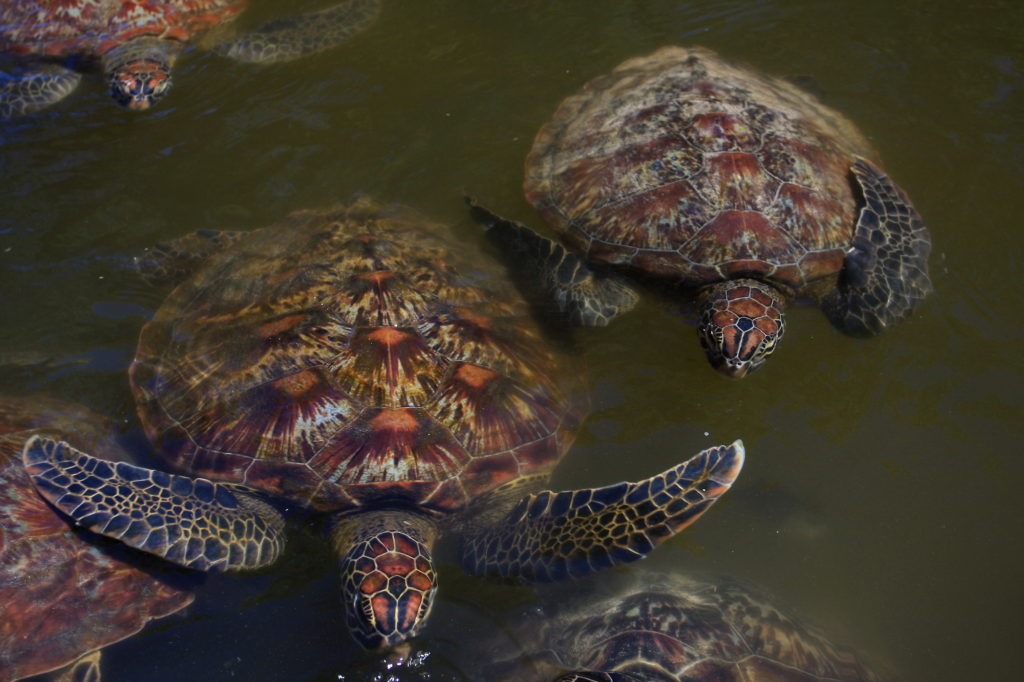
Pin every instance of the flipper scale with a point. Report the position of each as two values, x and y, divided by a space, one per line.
193 522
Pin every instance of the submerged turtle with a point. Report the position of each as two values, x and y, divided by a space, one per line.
675 628
685 169
340 362
65 593
135 44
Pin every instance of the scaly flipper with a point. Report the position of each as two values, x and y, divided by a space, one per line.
290 38
550 536
591 676
886 271
35 88
85 669
170 262
584 297
189 521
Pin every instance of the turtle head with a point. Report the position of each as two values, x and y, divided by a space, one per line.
140 84
741 322
387 574
139 71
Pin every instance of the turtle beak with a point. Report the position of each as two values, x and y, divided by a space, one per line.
735 368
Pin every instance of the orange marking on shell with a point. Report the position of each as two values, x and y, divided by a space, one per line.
395 420
274 327
474 375
724 318
297 384
738 292
390 336
378 277
467 315
766 325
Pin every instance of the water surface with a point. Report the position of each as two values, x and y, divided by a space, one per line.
881 494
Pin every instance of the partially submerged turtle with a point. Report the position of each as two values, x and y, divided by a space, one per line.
682 168
358 362
64 592
135 44
657 627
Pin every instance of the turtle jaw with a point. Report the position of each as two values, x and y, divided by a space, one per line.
741 323
388 578
140 84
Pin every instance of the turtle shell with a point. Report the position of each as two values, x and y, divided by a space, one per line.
64 592
341 358
92 27
676 628
685 166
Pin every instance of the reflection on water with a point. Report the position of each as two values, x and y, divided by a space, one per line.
878 497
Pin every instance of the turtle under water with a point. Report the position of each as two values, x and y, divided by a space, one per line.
135 44
682 168
64 592
361 362
670 627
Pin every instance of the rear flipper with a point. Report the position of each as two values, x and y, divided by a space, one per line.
550 536
190 521
584 297
35 88
294 37
886 272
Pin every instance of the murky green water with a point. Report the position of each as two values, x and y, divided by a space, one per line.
881 494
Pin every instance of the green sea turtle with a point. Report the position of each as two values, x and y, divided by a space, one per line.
362 363
665 627
135 43
64 592
681 168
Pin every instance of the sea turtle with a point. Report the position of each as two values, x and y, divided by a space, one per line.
685 169
64 592
670 627
358 362
135 43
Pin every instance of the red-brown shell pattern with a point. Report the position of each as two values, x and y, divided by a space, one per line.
62 595
92 27
688 629
340 358
683 165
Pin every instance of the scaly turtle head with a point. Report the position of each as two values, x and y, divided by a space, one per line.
387 574
139 71
741 322
140 84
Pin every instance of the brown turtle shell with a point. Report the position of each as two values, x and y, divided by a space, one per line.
93 27
678 628
64 593
685 166
350 356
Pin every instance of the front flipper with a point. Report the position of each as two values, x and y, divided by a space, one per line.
886 271
35 88
294 37
189 521
170 262
551 536
85 669
584 297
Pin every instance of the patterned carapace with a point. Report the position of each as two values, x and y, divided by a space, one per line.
62 595
350 363
66 27
682 165
674 628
